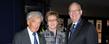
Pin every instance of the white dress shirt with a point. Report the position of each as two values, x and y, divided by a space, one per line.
74 27
75 24
32 37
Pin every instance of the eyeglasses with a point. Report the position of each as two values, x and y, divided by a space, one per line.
52 20
74 10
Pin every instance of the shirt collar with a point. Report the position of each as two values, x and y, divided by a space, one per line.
31 35
75 23
30 32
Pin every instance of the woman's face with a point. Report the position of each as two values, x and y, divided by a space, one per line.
52 22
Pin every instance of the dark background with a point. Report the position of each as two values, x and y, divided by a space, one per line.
12 15
6 21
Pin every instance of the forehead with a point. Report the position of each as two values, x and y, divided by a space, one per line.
52 17
75 6
36 17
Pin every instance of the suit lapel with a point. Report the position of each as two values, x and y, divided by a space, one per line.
26 38
39 36
75 34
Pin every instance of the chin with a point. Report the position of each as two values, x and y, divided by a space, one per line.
35 30
52 27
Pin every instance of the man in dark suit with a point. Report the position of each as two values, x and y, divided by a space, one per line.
80 31
30 34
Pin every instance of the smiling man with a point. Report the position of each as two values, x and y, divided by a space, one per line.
80 31
30 34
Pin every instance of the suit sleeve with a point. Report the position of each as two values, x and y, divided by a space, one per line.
92 37
16 39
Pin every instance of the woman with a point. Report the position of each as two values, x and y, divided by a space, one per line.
53 35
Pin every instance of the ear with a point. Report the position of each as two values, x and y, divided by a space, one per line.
28 22
81 12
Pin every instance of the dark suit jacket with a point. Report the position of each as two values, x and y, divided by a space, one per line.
85 34
23 38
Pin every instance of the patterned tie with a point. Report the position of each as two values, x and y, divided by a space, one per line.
35 40
71 30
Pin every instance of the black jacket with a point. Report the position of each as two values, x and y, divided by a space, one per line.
85 34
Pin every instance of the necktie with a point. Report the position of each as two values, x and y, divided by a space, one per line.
71 30
35 40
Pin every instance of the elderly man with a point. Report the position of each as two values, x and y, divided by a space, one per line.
80 31
30 35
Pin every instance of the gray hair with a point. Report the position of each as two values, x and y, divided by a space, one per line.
34 13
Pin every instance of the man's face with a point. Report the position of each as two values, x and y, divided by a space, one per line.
34 23
75 12
52 22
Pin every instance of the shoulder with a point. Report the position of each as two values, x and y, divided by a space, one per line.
86 23
46 32
20 34
60 32
89 26
68 27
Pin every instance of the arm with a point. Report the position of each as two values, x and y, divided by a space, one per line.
16 40
91 36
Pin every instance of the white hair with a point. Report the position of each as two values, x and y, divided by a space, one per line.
34 13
